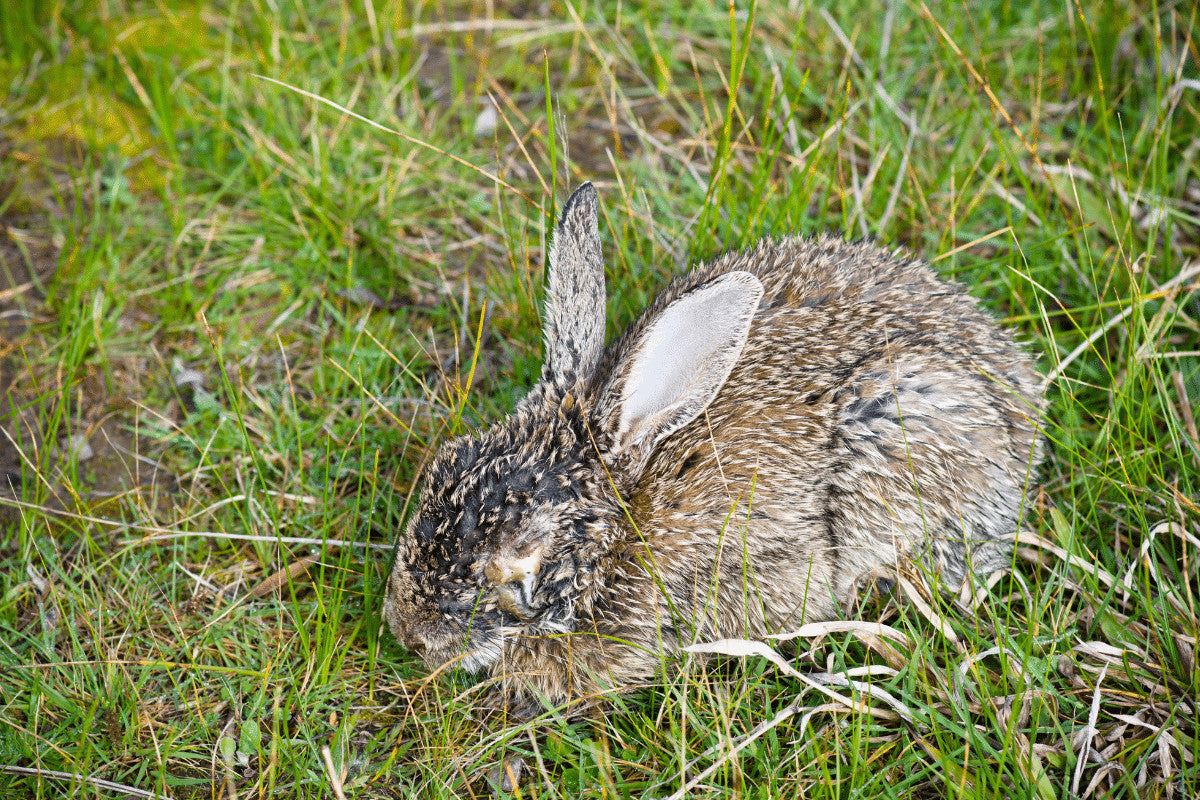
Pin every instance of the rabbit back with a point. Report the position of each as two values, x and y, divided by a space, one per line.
874 411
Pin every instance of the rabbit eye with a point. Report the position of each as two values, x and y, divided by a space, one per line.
514 578
515 598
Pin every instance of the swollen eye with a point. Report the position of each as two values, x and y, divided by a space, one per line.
514 579
514 598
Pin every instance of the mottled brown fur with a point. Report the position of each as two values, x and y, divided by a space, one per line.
872 411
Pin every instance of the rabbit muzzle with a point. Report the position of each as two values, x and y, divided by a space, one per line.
438 646
438 640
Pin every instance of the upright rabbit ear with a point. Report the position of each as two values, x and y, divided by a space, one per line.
573 318
681 360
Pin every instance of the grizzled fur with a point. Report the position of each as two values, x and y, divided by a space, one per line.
846 408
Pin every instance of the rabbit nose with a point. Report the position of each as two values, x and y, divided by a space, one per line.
404 633
418 638
404 629
414 643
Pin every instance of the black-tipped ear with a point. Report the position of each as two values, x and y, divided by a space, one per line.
573 316
680 361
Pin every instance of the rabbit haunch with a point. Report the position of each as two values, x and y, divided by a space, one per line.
779 422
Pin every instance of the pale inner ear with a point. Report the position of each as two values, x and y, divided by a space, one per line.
684 358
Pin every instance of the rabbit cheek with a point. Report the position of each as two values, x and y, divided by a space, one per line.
438 642
429 631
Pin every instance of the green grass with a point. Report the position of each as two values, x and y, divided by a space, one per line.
333 300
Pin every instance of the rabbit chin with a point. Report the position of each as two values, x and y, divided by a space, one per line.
483 650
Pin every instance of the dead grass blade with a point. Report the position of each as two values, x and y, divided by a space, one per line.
821 681
496 179
74 777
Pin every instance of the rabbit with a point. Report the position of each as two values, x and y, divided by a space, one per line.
778 423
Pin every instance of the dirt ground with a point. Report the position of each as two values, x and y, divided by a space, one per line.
41 442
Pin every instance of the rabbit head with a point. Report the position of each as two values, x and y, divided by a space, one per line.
514 523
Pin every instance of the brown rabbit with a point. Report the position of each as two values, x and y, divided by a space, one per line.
777 423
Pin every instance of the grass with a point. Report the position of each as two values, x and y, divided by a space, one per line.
234 320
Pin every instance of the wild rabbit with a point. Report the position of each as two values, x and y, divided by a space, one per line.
777 423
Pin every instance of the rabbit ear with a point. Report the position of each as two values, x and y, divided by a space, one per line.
681 360
573 318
